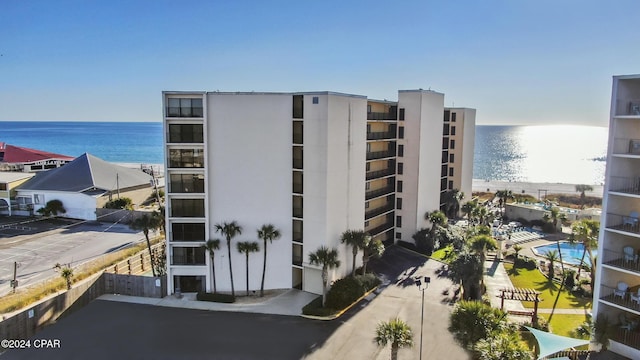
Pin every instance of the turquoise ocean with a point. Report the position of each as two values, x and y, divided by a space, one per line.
547 153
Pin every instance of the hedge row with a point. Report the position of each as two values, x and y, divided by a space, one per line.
343 293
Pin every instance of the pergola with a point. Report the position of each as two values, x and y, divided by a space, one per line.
521 295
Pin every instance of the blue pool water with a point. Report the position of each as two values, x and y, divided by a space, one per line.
571 253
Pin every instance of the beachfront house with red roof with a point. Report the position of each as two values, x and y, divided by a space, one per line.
16 158
83 185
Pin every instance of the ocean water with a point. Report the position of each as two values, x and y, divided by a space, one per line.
556 153
124 142
551 153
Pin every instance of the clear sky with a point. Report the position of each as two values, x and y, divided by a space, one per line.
515 61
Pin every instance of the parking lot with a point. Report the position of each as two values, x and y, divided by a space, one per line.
36 246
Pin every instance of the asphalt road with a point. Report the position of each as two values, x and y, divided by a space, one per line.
108 330
37 253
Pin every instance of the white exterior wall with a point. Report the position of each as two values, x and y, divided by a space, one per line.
422 157
249 170
334 178
78 206
465 141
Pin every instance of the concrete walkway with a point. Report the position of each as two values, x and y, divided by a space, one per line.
289 303
495 279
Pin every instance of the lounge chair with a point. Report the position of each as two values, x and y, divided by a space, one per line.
621 290
636 297
629 254
631 220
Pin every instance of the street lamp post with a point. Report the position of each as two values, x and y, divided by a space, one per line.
422 285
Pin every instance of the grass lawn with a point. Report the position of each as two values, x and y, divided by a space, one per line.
442 253
564 324
533 279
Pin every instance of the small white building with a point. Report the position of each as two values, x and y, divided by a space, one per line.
9 182
83 185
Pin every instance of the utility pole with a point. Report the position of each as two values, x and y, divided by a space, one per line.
118 184
14 282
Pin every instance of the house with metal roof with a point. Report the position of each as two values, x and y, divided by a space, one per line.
85 184
16 158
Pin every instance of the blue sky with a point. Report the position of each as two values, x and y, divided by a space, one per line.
515 61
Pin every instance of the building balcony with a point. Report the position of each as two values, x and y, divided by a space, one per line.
378 211
389 189
626 147
628 107
382 228
627 299
380 173
624 185
629 337
379 135
184 112
391 115
628 224
186 260
621 260
375 155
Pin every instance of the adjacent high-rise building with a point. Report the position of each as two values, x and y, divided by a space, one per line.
617 288
312 164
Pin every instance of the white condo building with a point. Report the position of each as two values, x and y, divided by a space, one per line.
313 164
617 288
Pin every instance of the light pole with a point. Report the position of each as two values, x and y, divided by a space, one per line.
422 286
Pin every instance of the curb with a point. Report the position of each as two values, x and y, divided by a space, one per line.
341 312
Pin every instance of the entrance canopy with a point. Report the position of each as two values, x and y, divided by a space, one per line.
550 343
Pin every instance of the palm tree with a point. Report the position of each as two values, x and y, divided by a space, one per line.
480 214
267 233
397 333
516 248
451 200
374 248
553 216
480 244
328 259
586 232
66 272
467 269
161 213
229 230
582 189
248 247
437 219
471 321
147 223
211 246
503 345
551 256
357 239
468 208
503 196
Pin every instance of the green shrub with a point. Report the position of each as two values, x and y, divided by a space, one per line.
548 228
543 324
315 308
525 263
219 298
122 203
345 291
368 281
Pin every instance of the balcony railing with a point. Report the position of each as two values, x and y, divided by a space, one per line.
622 146
628 107
380 154
382 116
627 185
627 223
380 173
381 135
628 337
380 229
622 260
185 260
184 111
621 297
379 192
378 211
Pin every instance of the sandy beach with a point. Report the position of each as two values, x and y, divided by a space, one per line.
533 189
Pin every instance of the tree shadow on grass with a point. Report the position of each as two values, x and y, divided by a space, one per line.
513 271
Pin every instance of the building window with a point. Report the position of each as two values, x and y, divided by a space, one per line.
443 170
367 166
186 158
187 207
367 186
297 157
186 183
399 203
445 143
398 221
298 132
298 106
38 199
188 256
187 232
401 132
366 223
453 117
452 144
368 108
3 187
400 150
184 107
445 156
453 130
399 186
297 182
189 283
450 185
443 184
398 235
446 115
401 114
185 133
297 231
400 168
445 129
297 206
451 158
450 171
315 100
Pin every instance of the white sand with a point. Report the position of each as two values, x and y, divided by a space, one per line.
534 189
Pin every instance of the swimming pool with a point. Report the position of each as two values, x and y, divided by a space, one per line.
571 253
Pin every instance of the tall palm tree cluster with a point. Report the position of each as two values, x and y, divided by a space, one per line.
147 223
467 267
229 230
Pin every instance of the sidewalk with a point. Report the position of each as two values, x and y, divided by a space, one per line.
496 279
289 303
